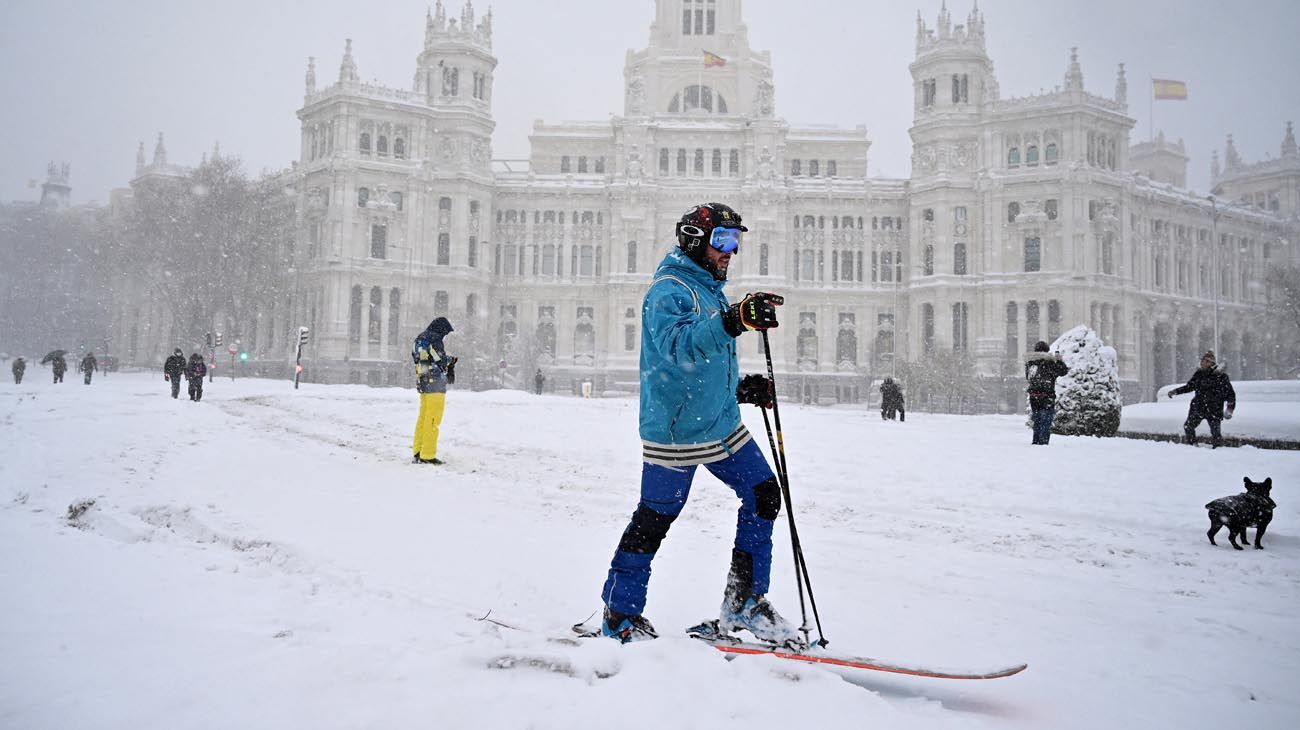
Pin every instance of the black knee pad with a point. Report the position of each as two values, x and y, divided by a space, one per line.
647 530
767 499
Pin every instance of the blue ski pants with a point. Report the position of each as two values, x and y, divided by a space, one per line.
664 491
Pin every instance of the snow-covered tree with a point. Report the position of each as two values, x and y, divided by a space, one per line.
1088 401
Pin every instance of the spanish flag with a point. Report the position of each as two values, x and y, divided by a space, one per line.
1167 89
713 59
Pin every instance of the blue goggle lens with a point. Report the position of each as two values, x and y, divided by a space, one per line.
726 240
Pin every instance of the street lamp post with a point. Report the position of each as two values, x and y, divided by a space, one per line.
1214 259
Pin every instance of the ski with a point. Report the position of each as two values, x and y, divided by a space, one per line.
712 634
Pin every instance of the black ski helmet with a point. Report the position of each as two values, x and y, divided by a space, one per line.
697 224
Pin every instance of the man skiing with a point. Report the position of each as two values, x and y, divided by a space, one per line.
19 367
88 366
194 372
173 369
1041 370
434 370
689 417
1213 390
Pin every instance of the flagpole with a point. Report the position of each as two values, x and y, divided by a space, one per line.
1151 111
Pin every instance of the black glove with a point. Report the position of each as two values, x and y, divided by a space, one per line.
756 311
451 370
756 389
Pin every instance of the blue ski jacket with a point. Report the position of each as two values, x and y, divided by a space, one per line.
689 369
430 357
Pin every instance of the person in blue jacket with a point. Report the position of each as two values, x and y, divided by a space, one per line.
690 390
434 369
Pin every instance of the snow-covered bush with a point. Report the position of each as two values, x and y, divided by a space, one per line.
1088 401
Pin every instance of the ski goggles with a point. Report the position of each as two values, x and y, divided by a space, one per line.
726 240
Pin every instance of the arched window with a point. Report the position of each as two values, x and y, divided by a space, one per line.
376 326
473 251
444 249
846 348
1052 209
809 221
1013 157
586 258
1032 327
716 167
394 316
681 161
363 196
365 143
733 165
959 259
354 316
1013 211
378 241
796 167
631 257
565 165
1051 155
1033 254
1013 331
396 197
381 145
928 261
582 163
927 328
600 165
584 344
399 148
762 259
814 168
831 168
663 161
1031 154
927 214
699 161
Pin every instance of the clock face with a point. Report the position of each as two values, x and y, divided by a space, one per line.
960 229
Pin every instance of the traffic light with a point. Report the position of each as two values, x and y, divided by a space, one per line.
218 342
207 340
243 357
302 335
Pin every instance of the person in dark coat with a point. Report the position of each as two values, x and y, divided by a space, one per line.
1213 391
539 381
434 370
891 400
173 369
88 366
60 367
19 367
1041 370
194 373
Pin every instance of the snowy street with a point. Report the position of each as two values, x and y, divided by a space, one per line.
269 558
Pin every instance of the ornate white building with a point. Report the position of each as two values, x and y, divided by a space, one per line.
1022 217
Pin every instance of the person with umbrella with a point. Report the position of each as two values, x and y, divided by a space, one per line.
173 369
56 361
19 367
88 365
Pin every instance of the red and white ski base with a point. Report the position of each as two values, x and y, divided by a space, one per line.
708 633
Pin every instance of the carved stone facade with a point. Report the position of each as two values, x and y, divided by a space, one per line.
1021 219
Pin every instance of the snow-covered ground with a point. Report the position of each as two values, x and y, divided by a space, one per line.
269 559
1268 409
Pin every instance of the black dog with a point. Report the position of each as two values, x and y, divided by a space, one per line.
1254 508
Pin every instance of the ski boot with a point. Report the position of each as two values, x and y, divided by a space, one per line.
626 628
742 609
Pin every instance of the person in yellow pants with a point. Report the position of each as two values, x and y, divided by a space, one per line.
434 371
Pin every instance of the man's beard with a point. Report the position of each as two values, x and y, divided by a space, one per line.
710 267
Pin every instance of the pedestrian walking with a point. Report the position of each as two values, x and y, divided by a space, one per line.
18 368
88 366
195 370
1041 370
173 370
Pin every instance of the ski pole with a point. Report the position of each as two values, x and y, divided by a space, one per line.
798 572
783 476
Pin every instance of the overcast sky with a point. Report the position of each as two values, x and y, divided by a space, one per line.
85 81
